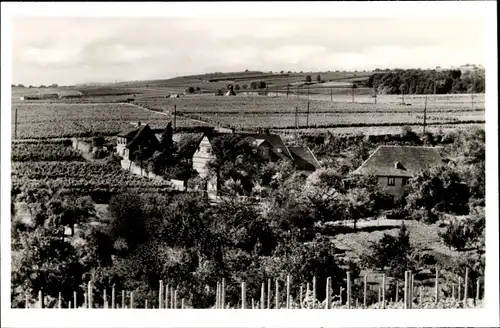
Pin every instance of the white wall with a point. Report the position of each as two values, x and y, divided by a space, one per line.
397 190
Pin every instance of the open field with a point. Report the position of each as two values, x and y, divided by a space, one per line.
325 120
72 120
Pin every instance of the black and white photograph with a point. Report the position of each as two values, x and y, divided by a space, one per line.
182 157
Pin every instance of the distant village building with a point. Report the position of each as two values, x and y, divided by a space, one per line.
140 138
394 165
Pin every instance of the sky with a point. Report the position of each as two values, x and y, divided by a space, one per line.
72 50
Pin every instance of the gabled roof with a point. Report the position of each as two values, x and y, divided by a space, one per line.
136 134
278 147
304 157
400 161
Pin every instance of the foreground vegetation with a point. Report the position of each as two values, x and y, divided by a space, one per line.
282 227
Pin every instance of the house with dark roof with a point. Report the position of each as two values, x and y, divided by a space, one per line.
139 138
394 165
270 147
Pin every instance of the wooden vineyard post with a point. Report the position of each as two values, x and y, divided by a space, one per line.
26 301
40 299
288 291
59 301
314 288
436 291
411 289
453 291
160 295
459 288
406 290
383 291
175 299
357 303
340 294
113 297
268 293
171 297
217 296
348 290
132 299
123 299
420 295
263 296
331 94
328 299
277 299
75 304
85 300
223 296
182 303
90 294
466 283
243 295
301 295
105 298
167 303
477 289
253 304
364 291
145 304
397 292
69 305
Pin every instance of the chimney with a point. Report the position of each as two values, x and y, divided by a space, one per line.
139 124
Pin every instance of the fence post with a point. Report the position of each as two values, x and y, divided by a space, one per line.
277 299
160 295
85 300
113 297
243 295
217 296
268 293
59 302
453 291
132 299
288 291
420 295
145 304
436 292
459 288
477 289
175 299
182 303
223 301
314 288
466 283
364 291
90 293
301 293
328 293
410 277
406 290
167 303
397 292
69 305
123 299
253 304
383 291
26 301
348 290
171 297
263 296
105 298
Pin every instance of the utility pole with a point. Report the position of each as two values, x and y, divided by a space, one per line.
425 113
307 117
296 122
331 94
15 125
175 117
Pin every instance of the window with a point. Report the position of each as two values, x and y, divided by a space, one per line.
391 181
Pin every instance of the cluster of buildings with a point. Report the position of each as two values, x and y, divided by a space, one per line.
392 165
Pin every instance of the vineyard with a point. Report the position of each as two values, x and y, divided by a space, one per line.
40 120
355 294
82 176
43 151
